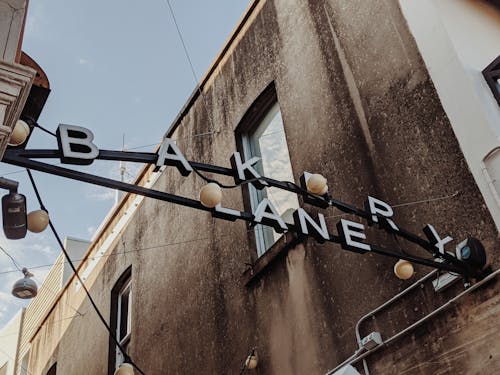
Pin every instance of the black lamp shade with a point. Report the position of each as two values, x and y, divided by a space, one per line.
14 216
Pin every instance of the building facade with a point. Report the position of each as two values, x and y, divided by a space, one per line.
9 344
16 78
341 88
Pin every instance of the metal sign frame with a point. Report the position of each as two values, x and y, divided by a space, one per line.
24 158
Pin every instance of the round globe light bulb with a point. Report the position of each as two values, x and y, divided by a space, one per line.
403 269
125 369
38 221
210 195
252 361
316 184
19 133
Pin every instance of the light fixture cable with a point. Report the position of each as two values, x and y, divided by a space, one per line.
25 269
196 239
128 359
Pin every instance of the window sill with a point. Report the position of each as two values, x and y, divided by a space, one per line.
277 250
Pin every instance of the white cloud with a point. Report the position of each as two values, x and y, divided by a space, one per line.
91 230
44 249
4 297
40 274
82 61
35 21
101 194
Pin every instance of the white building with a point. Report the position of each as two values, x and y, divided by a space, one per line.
9 343
458 39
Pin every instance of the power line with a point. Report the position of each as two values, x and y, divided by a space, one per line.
94 305
127 251
13 172
19 268
190 63
177 139
42 285
12 359
37 125
47 323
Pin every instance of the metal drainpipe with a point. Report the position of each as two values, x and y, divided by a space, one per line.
384 305
414 325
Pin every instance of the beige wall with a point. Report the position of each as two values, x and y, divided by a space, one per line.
62 290
9 340
358 96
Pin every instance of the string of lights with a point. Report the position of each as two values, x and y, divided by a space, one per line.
159 246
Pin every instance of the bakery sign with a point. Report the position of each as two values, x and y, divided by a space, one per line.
76 146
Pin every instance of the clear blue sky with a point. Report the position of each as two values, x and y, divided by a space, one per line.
118 68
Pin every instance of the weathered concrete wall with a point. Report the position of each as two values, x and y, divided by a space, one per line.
461 340
358 106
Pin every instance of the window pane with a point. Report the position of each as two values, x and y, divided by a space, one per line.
120 357
24 364
492 172
268 142
53 370
124 316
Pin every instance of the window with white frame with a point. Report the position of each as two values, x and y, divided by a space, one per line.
25 364
492 75
52 370
265 138
491 170
121 320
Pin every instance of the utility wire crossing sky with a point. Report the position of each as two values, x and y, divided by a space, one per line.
120 69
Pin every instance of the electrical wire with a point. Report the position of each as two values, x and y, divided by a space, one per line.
131 251
13 172
427 200
42 285
12 359
45 287
291 184
176 139
48 265
128 359
19 268
190 63
37 125
47 323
